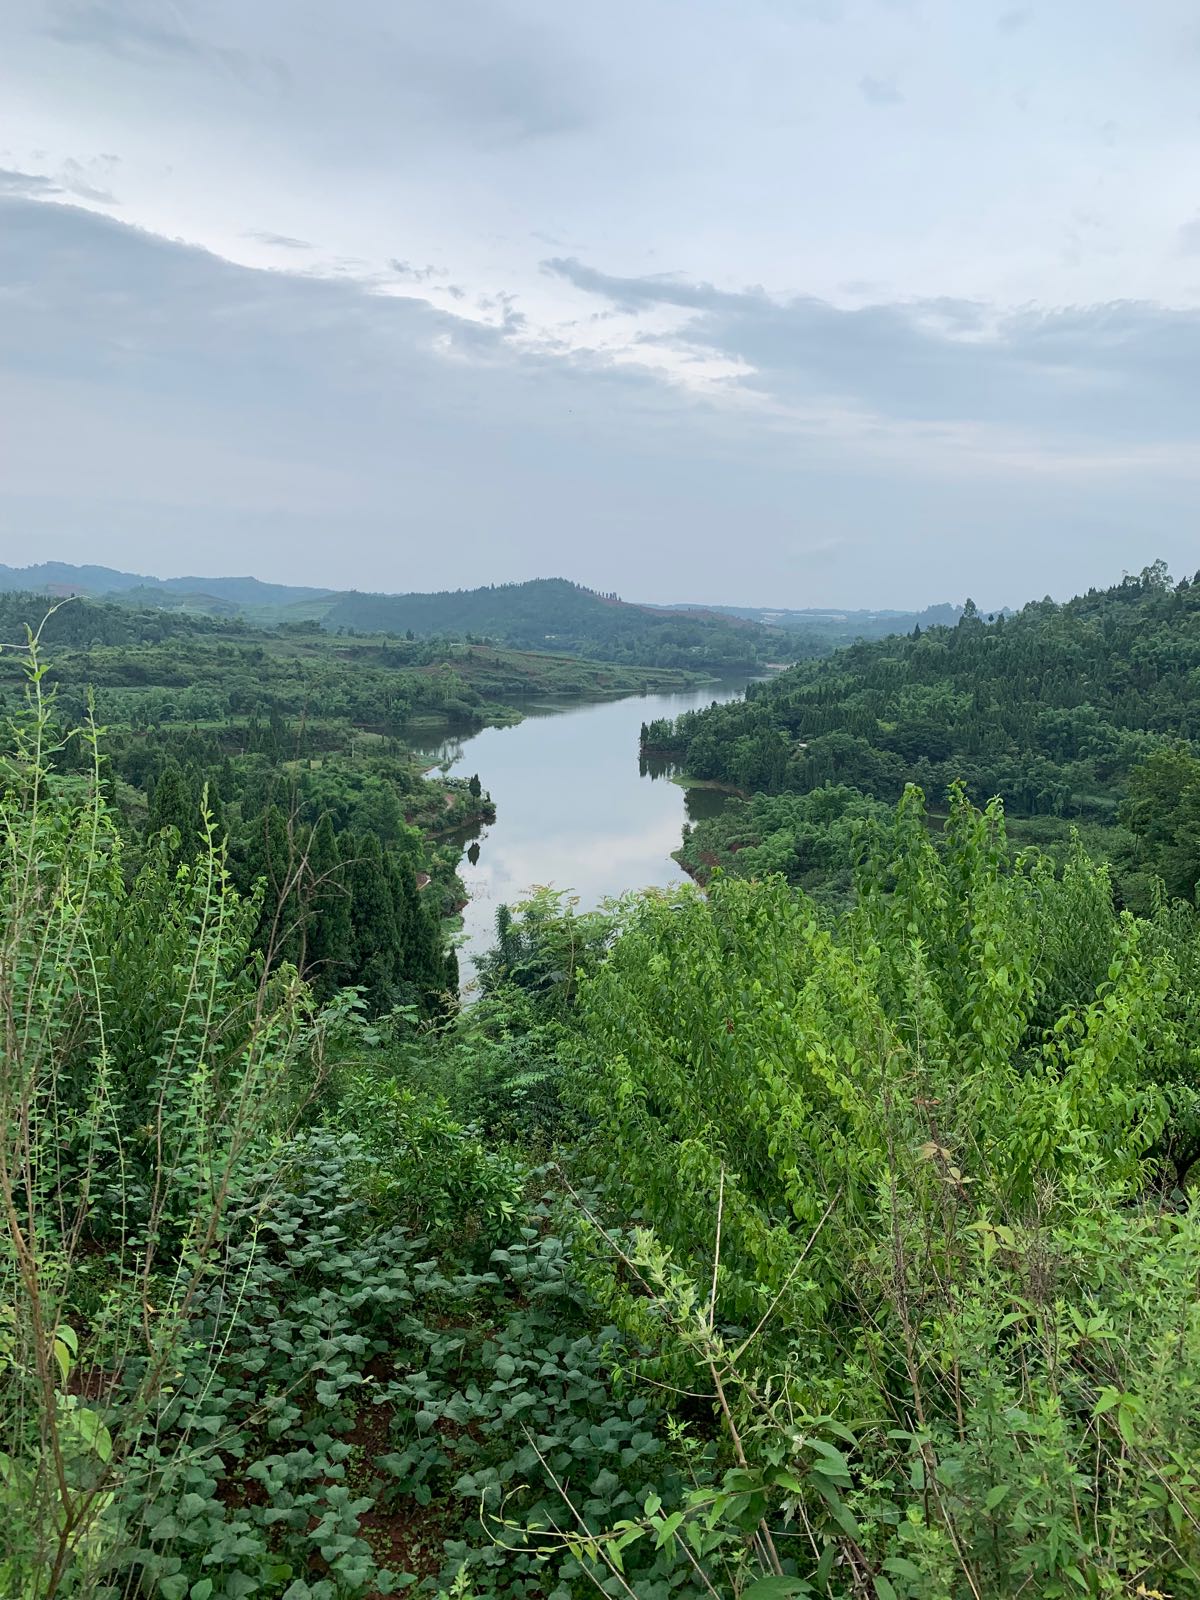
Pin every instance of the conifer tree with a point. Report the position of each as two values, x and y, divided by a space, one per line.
373 918
329 937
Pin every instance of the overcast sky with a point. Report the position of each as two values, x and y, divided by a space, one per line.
804 302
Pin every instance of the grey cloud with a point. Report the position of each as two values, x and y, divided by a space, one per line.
215 401
72 178
411 274
282 241
1121 371
634 294
27 184
1188 237
77 180
486 72
880 92
314 430
519 79
147 33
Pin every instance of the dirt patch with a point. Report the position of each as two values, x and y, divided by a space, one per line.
411 1538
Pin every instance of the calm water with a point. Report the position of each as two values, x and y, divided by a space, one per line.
572 810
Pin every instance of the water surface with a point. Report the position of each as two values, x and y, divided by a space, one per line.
572 809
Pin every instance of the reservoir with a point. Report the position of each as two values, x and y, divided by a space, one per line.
573 811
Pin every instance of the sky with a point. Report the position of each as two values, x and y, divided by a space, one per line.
866 303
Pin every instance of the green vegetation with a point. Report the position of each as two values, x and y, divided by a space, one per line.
1054 709
746 1243
546 615
552 614
292 743
812 839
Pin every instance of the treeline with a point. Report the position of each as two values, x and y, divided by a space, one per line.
352 893
1052 709
553 614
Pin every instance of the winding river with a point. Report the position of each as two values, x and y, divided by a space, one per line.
572 809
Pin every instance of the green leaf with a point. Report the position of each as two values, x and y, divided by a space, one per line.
903 1568
776 1588
665 1531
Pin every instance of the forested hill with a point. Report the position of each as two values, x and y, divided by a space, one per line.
833 627
1052 708
544 614
554 614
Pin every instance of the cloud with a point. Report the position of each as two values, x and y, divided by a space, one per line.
309 427
489 73
77 180
880 92
281 241
72 178
1188 237
28 185
1120 371
411 274
147 33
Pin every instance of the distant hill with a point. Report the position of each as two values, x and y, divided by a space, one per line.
555 614
549 614
839 627
60 577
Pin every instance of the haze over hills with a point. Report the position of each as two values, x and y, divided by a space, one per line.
540 614
61 577
841 627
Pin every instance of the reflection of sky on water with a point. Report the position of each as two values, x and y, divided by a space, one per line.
571 808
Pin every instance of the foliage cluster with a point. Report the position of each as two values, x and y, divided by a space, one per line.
1051 708
554 614
909 1209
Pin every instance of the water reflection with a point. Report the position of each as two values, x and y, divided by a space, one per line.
573 810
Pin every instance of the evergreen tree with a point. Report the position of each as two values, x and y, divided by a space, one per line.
373 919
174 804
271 858
329 937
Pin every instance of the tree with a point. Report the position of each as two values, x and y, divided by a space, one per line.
175 805
373 918
329 936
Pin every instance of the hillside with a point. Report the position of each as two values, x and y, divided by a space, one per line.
554 614
1053 709
551 614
